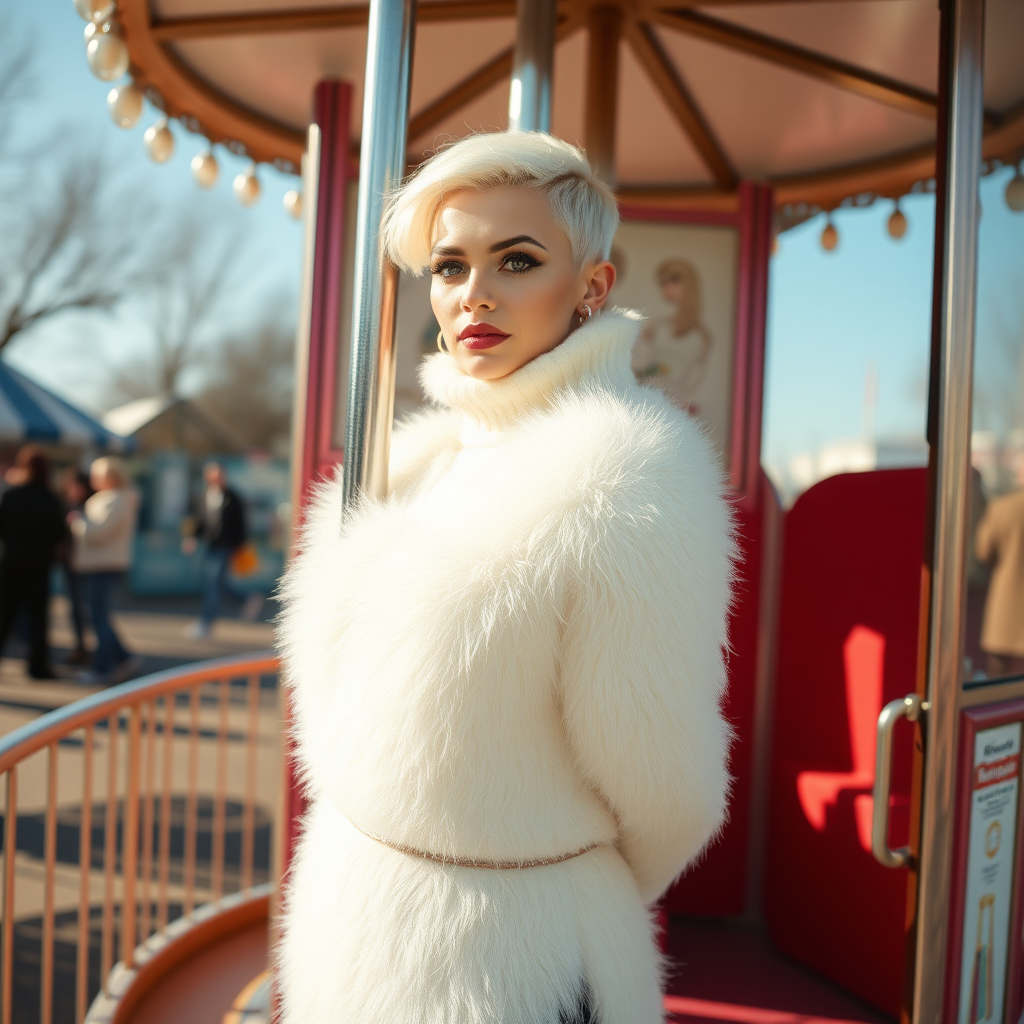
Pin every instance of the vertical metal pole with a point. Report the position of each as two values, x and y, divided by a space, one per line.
529 100
958 158
605 31
371 394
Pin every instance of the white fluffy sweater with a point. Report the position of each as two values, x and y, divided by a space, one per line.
516 655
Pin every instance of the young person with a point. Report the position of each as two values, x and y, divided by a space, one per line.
507 675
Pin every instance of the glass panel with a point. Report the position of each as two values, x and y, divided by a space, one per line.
995 567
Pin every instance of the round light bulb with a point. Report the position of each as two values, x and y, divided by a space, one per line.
897 224
94 29
247 186
125 104
94 10
107 55
1014 193
159 141
205 169
829 237
293 203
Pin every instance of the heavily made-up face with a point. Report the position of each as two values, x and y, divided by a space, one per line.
504 286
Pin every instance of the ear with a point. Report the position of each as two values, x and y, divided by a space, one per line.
600 279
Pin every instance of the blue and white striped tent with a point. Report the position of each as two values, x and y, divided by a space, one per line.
29 412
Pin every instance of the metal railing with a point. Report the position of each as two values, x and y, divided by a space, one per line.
125 811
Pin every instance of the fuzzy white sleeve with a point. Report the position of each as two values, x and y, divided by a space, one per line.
643 669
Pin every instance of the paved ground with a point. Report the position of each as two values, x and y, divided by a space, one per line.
154 629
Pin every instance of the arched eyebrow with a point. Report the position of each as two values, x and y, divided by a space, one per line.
518 240
454 250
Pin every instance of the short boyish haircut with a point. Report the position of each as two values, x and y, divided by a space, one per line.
581 204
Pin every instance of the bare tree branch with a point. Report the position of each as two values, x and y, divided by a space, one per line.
250 392
200 266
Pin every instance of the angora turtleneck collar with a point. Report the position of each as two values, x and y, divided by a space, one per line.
596 353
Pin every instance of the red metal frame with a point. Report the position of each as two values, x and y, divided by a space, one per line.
315 453
974 720
332 114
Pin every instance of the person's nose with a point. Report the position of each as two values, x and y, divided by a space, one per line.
477 295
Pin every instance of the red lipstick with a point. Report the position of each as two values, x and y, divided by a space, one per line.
481 336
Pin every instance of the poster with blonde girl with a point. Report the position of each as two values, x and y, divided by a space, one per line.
673 351
684 278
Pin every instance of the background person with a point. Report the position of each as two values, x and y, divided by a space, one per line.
76 491
104 531
221 523
999 543
31 527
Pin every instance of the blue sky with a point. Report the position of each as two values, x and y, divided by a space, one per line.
832 316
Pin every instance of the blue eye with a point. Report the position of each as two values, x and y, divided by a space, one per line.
447 268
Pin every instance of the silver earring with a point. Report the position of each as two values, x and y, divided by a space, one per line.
589 313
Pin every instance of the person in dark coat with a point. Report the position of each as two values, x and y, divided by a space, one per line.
31 526
76 490
221 523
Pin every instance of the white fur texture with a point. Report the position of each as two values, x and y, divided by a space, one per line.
517 654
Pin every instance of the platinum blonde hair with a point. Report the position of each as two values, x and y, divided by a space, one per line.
582 205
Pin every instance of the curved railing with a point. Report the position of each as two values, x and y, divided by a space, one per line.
125 811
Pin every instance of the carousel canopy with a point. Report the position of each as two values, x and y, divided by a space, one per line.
824 99
29 412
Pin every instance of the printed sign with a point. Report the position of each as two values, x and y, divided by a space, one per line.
990 865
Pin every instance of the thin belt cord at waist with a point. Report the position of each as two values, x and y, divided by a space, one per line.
472 862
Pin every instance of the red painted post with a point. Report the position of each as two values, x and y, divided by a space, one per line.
318 391
755 224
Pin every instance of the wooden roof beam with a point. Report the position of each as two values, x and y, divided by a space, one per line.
807 62
667 80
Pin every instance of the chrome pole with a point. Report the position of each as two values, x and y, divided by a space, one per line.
958 158
371 390
529 99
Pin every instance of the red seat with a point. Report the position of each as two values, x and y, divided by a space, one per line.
848 623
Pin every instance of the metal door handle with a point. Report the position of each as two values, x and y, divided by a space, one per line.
909 707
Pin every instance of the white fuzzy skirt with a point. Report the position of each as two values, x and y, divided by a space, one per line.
375 936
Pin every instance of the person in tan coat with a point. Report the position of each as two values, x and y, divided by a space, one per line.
999 543
103 533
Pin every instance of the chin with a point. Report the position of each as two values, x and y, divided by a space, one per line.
487 365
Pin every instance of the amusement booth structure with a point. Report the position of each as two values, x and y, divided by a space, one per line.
871 868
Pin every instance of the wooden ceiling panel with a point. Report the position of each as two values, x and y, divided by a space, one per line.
192 8
896 38
276 74
651 148
568 89
1004 54
773 121
448 53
